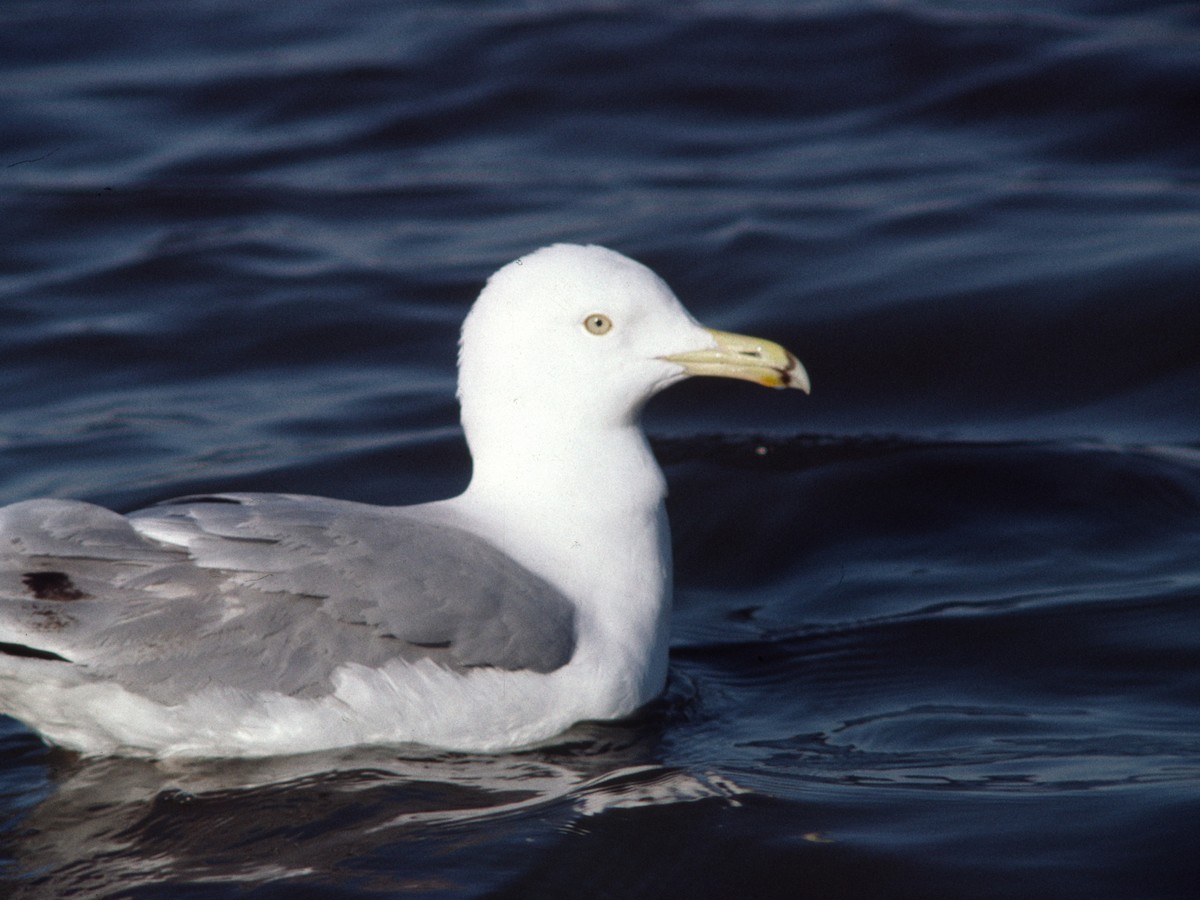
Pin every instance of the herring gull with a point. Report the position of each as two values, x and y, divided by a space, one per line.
251 624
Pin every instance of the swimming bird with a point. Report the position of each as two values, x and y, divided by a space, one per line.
247 624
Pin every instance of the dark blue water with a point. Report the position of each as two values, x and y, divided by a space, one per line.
938 627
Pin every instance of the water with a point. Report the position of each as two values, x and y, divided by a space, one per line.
938 626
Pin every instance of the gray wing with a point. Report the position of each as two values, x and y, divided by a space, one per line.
264 592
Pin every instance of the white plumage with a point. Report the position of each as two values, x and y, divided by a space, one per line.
252 624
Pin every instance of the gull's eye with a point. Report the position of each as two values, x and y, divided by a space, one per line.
598 323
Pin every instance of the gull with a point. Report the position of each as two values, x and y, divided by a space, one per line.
254 624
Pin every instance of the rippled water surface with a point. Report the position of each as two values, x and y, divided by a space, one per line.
938 626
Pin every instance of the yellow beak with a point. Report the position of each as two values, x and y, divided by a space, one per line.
748 358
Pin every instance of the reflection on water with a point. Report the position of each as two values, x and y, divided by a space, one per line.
115 824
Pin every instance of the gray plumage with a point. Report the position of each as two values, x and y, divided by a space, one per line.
273 593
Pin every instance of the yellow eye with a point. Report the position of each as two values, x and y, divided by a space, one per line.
598 323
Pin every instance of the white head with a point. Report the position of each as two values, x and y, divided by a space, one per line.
571 332
567 344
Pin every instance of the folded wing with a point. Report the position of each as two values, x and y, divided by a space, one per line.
263 592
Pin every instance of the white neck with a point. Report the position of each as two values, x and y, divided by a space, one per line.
587 514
